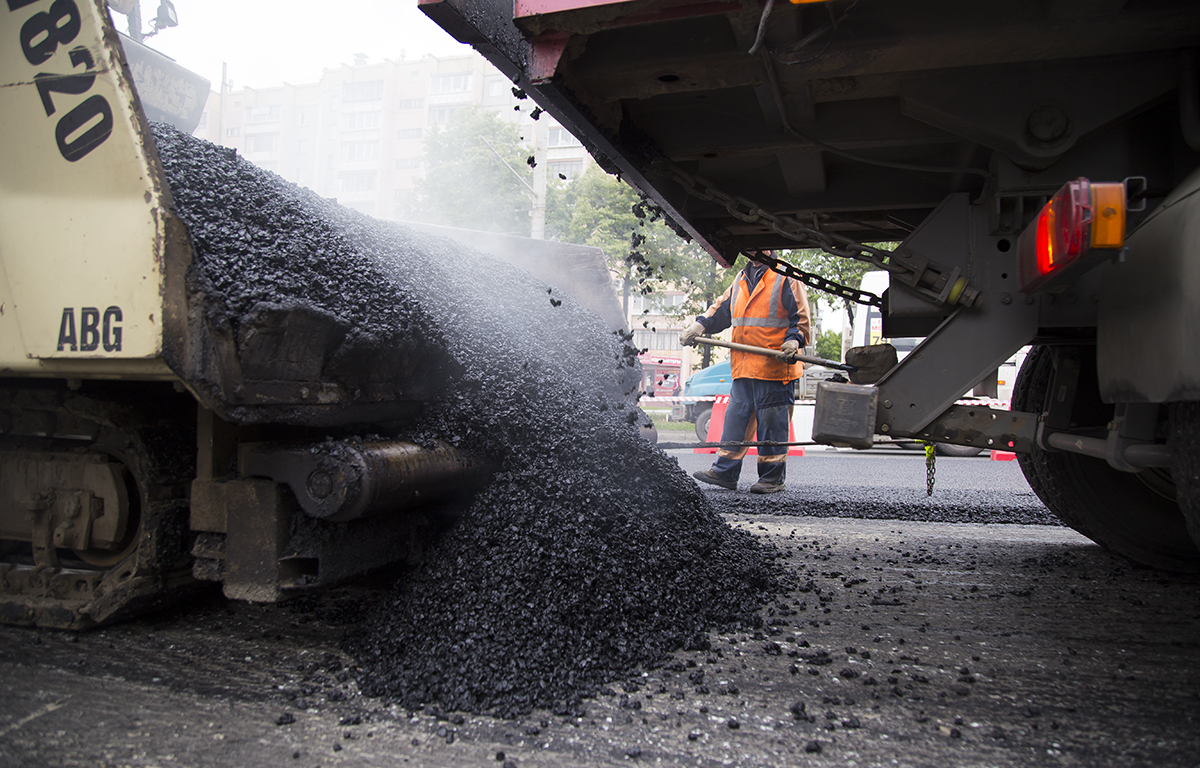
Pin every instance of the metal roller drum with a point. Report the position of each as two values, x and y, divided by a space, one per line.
347 480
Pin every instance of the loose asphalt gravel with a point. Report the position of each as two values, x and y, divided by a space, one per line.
589 554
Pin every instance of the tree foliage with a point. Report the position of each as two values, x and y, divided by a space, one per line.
829 346
602 211
476 175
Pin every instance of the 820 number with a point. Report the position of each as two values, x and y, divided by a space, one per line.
90 122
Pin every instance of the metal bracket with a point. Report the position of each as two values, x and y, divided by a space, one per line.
1064 381
973 340
845 414
544 53
256 538
983 427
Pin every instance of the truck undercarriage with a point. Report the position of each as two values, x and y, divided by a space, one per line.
948 127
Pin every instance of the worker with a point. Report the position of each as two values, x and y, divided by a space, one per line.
765 309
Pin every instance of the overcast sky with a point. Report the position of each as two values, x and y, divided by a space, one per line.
268 42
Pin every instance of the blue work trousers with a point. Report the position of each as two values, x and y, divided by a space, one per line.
756 407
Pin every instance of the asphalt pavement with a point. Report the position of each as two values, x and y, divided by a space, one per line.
896 642
884 483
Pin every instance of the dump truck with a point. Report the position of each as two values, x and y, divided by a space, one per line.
1036 161
145 447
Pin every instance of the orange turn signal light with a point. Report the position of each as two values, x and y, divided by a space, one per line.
1081 216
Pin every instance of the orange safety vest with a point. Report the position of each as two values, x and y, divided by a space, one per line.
760 319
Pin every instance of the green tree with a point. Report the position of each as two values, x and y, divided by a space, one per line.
476 175
829 346
601 211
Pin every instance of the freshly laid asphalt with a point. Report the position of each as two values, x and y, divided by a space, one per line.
897 643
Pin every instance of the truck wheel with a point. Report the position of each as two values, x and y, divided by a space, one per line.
702 424
945 449
646 427
1132 514
1185 444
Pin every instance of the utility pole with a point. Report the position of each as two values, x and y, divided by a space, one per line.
134 17
221 102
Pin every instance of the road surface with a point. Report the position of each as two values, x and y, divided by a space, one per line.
899 642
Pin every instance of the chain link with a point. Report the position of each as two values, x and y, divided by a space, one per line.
930 467
816 281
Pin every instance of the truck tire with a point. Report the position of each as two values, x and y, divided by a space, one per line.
1124 512
963 451
702 420
1185 445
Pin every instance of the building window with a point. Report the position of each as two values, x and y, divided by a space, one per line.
304 117
457 83
231 132
659 340
359 121
496 87
412 103
264 114
660 302
410 133
566 170
560 137
443 115
262 142
356 181
359 150
409 162
369 91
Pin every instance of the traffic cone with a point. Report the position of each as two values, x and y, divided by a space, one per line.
716 424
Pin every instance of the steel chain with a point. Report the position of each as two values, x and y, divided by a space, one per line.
816 281
930 468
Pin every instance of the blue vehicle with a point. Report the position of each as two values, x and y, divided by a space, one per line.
709 382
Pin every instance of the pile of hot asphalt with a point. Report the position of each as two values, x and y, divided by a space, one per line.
589 554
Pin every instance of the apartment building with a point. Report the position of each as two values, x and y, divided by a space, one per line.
357 135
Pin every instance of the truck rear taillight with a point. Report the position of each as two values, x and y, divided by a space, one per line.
1081 217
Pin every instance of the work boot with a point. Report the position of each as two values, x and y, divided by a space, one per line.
762 486
712 478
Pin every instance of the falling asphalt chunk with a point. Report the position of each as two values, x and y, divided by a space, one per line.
590 555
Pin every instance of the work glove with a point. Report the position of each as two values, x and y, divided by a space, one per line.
872 362
788 351
688 337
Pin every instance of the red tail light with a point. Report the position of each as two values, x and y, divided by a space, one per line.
1080 217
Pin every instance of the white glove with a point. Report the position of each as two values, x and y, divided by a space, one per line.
688 337
788 351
